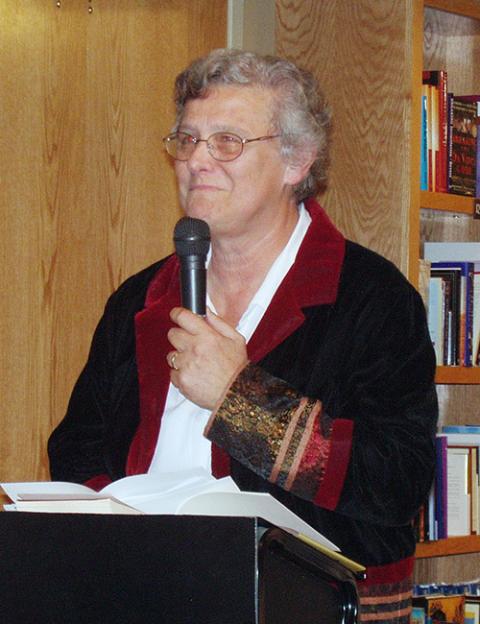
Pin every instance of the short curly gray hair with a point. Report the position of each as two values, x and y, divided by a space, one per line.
301 115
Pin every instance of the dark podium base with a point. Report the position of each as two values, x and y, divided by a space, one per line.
89 569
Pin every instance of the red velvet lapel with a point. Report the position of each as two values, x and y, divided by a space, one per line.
313 280
151 327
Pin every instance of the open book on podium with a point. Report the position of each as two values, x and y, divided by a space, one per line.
193 492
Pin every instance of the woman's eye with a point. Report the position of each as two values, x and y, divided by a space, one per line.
228 138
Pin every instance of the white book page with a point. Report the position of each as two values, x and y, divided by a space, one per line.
150 493
170 501
157 484
251 504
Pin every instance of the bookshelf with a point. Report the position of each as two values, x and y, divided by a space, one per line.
452 546
449 202
369 60
451 40
457 375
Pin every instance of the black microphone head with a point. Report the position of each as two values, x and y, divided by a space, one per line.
191 237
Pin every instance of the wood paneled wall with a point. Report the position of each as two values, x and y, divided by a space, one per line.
87 196
358 52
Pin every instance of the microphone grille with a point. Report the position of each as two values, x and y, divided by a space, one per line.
191 237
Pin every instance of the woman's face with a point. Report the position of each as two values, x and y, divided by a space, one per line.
249 192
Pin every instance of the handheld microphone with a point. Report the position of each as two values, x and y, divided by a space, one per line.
192 242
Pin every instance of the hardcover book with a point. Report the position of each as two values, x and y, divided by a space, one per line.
447 251
436 80
472 609
476 100
452 309
441 493
462 163
464 320
441 608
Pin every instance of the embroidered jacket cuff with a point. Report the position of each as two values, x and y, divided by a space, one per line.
274 431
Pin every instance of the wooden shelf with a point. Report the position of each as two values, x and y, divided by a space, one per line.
457 375
447 547
467 8
449 202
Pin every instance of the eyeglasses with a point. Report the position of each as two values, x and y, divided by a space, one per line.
222 146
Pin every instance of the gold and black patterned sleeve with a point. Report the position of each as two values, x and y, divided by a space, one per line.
274 431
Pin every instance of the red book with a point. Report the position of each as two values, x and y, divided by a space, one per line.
437 80
463 146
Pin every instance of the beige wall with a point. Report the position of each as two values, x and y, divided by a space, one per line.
87 196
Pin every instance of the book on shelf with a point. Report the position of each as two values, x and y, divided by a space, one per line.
454 500
436 315
193 492
449 314
476 315
427 159
475 99
469 588
440 526
463 307
469 429
461 438
449 251
465 441
472 609
417 615
441 607
434 89
462 158
459 501
424 142
450 148
465 255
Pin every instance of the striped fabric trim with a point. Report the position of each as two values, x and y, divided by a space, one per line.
285 440
282 453
386 603
307 434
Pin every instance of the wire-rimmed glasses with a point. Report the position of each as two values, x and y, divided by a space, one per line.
223 146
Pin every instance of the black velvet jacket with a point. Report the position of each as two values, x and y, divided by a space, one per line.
345 333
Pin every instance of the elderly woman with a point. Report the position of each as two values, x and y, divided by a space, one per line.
311 376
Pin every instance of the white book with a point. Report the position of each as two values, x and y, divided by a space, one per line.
189 493
452 251
436 317
461 439
458 498
476 314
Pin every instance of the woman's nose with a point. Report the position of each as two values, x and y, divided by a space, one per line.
201 157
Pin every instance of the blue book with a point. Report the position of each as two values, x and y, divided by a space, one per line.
417 615
461 429
424 148
441 444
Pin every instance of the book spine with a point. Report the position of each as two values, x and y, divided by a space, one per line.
442 169
449 139
468 359
424 147
462 165
477 186
476 315
434 102
441 487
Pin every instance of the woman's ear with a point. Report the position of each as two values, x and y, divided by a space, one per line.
297 170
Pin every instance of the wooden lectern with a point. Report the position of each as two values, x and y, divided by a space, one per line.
89 569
